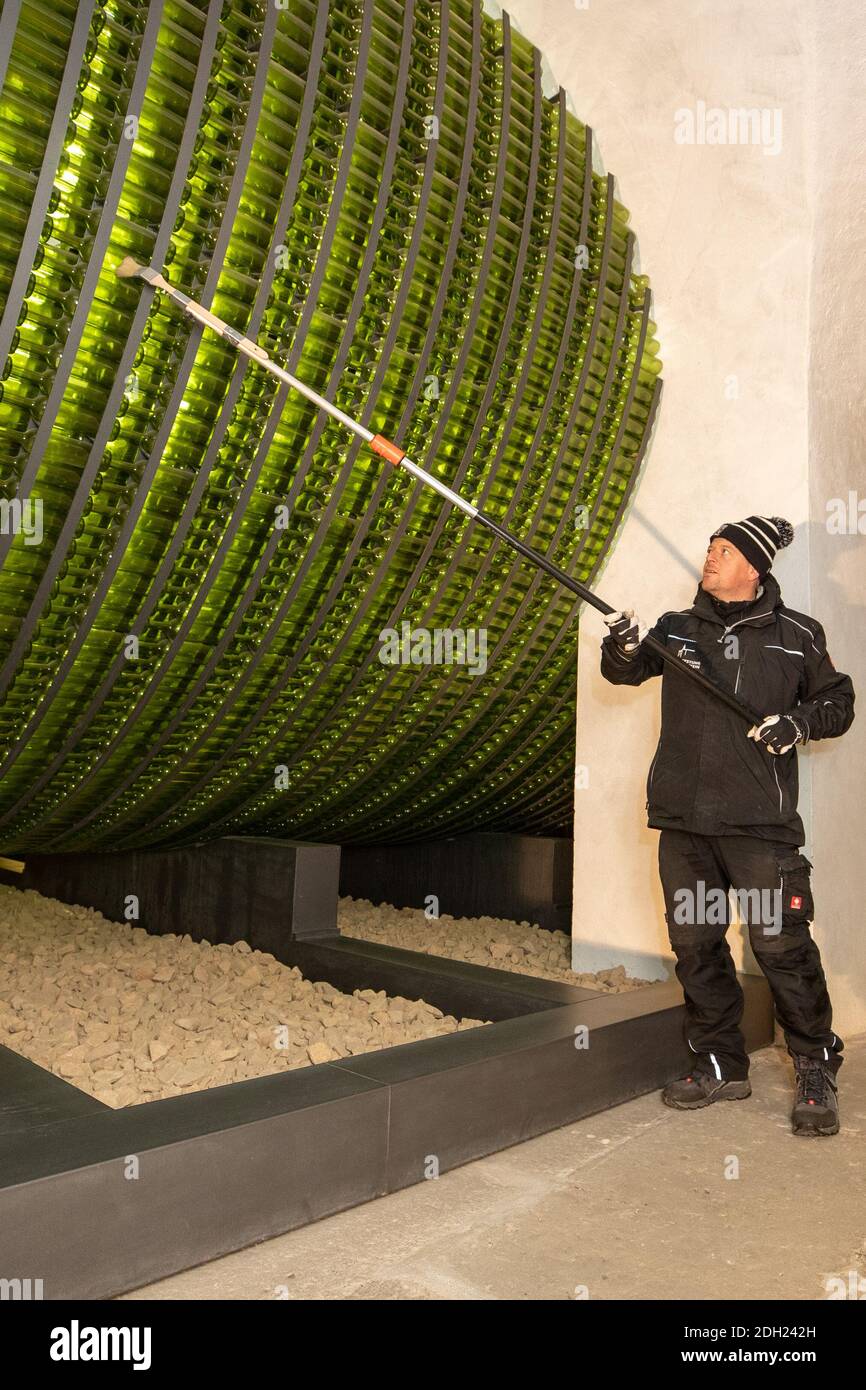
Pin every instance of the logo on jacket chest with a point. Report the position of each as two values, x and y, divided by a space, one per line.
689 655
684 648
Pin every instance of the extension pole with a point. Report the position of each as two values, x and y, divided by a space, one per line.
129 268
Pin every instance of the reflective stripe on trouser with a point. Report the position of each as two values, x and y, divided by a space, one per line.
774 896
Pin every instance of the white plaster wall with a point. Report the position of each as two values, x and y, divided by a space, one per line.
837 466
756 295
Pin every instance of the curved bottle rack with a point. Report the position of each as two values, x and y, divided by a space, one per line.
381 194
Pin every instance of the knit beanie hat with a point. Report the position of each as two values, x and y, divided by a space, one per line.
758 538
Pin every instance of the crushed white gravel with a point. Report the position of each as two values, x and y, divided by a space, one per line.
128 1017
523 947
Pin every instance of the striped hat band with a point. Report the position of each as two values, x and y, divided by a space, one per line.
758 538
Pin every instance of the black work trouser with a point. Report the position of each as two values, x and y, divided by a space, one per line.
774 897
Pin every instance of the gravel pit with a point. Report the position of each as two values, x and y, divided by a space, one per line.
523 947
128 1017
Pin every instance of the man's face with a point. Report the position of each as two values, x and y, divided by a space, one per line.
727 572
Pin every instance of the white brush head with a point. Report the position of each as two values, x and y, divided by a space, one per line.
128 268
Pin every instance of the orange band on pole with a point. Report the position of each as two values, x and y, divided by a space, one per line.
390 451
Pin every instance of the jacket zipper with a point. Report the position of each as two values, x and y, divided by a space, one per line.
740 664
737 624
652 770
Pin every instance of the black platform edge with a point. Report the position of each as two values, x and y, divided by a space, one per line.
456 986
225 1168
31 1097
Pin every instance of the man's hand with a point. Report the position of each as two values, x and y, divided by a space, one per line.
780 732
626 630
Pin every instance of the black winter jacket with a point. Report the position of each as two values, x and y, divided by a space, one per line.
707 776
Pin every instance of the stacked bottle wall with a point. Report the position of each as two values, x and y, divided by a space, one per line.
198 567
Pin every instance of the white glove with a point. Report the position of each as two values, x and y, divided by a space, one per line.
626 630
791 730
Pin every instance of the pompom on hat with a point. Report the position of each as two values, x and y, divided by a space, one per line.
758 538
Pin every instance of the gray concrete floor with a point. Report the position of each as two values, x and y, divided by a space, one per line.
628 1204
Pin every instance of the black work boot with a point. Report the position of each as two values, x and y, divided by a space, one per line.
816 1110
701 1087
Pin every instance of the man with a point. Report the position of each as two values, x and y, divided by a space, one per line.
724 797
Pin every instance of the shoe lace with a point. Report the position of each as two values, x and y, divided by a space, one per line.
813 1082
700 1072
